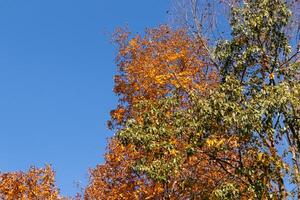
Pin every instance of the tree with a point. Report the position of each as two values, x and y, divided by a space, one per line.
198 119
161 64
243 131
260 56
35 184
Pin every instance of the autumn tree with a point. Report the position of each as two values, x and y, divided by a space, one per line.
161 139
161 64
231 120
202 114
154 66
36 184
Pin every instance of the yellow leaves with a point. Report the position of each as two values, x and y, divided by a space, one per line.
173 152
162 79
173 57
260 156
215 142
211 142
266 160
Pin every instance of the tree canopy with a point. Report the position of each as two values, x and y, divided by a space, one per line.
231 122
199 116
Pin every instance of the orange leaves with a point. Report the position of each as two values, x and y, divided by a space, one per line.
116 179
134 43
161 62
35 184
118 114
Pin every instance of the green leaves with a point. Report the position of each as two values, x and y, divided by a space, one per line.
170 132
259 42
226 192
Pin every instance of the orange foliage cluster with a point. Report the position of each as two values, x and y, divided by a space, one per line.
153 66
116 180
36 184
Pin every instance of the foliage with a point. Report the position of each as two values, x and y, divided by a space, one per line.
226 192
153 66
197 120
260 56
116 178
36 184
226 128
163 63
258 40
240 135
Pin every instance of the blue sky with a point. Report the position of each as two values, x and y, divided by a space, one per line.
56 80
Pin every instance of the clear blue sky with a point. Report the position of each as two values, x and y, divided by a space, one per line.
56 80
